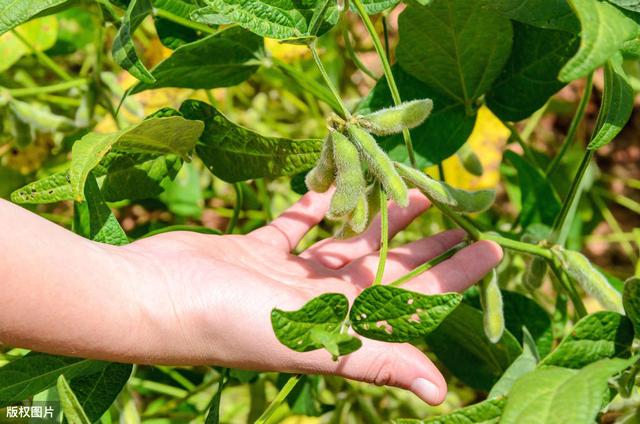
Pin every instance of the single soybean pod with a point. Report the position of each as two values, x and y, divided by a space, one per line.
380 165
580 270
470 160
395 119
360 216
320 178
491 301
534 273
350 184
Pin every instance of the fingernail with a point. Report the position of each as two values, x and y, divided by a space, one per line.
426 390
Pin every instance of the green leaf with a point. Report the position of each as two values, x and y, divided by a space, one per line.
219 60
393 314
616 106
600 335
540 203
632 5
376 6
456 47
525 363
171 34
530 76
461 345
123 50
40 117
72 409
94 220
16 12
51 189
184 196
485 412
551 14
36 372
137 176
234 153
173 135
631 302
76 30
39 33
520 313
309 328
98 391
604 30
336 344
448 123
457 199
553 394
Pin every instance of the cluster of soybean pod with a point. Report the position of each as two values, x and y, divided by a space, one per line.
350 149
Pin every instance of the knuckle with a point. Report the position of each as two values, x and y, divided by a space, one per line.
382 371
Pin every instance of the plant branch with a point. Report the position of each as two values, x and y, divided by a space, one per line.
428 265
236 209
280 397
384 237
518 246
569 287
35 91
343 109
354 56
43 58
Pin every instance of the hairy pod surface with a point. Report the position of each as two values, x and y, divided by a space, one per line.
580 270
470 160
380 165
459 200
320 178
395 119
360 215
491 301
350 184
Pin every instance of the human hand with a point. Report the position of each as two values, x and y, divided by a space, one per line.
207 299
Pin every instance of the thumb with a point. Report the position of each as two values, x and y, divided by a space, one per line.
398 365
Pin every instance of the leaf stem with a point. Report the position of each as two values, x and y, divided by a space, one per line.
34 91
518 246
343 109
384 237
354 56
237 208
428 265
569 287
43 58
573 128
280 397
165 14
391 82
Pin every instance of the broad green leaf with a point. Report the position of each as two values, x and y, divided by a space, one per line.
377 6
582 272
336 344
561 395
72 409
94 220
530 76
393 314
600 335
485 412
51 189
219 60
448 123
36 372
461 345
310 327
525 363
124 50
172 135
40 34
98 391
539 201
183 196
604 30
616 106
39 117
456 47
457 199
16 12
632 5
171 34
631 301
137 176
234 153
551 14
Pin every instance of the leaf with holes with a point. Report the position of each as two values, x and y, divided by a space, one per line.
51 189
396 315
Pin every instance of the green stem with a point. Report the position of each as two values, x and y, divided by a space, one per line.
528 153
391 82
615 227
561 223
281 397
353 55
573 128
569 287
343 109
165 14
264 198
384 237
236 209
385 34
428 265
518 246
462 222
533 122
628 203
43 58
34 91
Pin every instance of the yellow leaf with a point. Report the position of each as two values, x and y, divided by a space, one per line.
286 52
39 33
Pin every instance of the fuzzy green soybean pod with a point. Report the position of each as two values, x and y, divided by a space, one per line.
534 273
491 300
350 184
470 160
360 215
580 270
395 119
320 178
380 165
